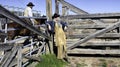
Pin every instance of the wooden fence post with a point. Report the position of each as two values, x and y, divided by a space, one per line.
49 47
19 61
49 9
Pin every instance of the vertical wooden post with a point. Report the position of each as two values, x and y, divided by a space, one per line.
0 25
57 6
64 10
119 31
49 9
49 16
19 61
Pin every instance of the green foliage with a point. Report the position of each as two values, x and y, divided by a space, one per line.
51 61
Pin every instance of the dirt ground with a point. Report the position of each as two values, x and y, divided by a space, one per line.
94 62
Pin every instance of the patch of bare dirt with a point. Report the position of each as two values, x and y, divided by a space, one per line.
94 62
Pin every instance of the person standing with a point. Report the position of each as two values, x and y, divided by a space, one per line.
28 12
56 28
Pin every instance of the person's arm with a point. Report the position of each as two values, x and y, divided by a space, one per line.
48 25
64 26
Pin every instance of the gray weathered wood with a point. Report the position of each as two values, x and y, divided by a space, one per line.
19 57
76 9
111 27
16 40
49 9
15 18
5 47
42 47
3 34
98 43
101 43
106 35
24 17
93 51
56 6
33 58
73 8
94 16
13 62
10 57
88 26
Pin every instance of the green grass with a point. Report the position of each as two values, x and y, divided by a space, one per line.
51 61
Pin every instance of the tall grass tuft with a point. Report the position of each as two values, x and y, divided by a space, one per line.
51 61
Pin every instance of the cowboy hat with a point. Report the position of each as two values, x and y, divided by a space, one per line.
55 16
30 4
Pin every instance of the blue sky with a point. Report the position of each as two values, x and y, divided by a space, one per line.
91 6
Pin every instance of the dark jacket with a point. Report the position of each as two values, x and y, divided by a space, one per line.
52 25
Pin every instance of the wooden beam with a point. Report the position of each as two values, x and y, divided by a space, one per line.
10 57
64 10
49 9
2 34
13 63
15 18
33 58
109 28
97 43
19 56
76 9
24 17
102 43
107 35
5 47
17 40
88 26
94 16
93 51
57 6
72 7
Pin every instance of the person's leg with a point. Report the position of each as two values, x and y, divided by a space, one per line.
65 54
60 52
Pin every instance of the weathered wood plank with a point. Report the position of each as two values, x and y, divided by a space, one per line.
23 17
49 9
73 8
94 16
93 51
109 28
98 43
107 35
3 34
56 6
33 58
16 40
101 43
88 26
15 18
76 10
5 47
10 57
13 63
19 57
